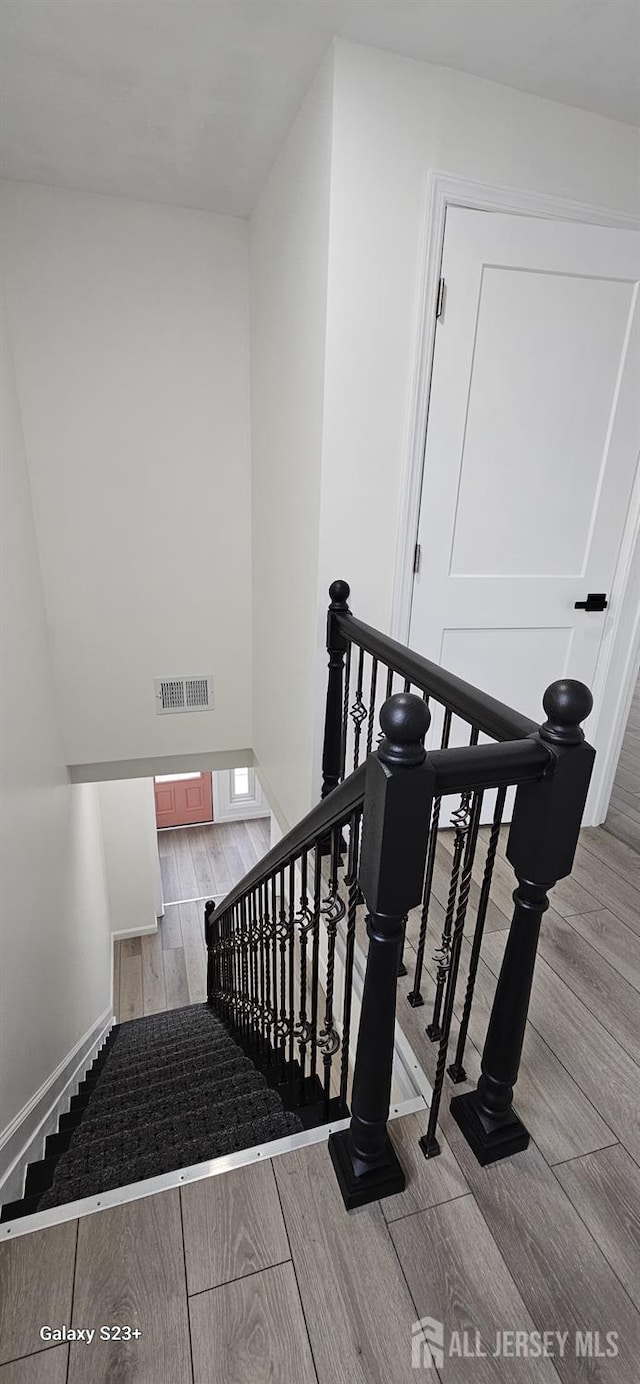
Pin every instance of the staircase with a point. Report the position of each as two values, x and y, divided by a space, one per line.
165 1092
280 1045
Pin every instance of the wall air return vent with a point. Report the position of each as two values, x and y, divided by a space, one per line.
183 694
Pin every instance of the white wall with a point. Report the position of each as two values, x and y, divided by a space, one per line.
289 248
129 325
132 864
396 119
55 945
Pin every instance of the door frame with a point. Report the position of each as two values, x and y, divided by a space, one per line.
623 622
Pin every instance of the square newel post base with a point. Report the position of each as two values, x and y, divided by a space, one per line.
382 1179
489 1139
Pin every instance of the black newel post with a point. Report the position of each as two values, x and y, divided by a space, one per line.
542 843
397 806
336 649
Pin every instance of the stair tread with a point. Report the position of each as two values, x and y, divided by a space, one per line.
194 1150
164 1092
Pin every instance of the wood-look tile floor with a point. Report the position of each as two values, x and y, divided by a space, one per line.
168 969
623 817
261 1275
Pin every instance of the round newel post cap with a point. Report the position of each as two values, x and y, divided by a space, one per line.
566 703
405 720
339 592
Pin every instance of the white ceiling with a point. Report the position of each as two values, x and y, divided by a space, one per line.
188 101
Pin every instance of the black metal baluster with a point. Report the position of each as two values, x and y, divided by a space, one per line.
292 979
428 1143
456 1070
345 714
414 997
244 942
274 966
460 819
402 970
333 909
260 972
407 685
256 1012
315 966
372 704
354 896
283 933
305 923
231 964
266 928
358 712
250 944
334 903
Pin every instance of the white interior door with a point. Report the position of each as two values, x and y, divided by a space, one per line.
532 447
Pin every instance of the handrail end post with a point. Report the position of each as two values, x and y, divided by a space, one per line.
543 837
397 808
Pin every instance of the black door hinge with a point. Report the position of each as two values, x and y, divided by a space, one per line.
416 558
440 299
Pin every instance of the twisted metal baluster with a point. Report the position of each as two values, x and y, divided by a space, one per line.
292 978
315 964
402 970
456 1070
254 952
428 1143
345 713
266 928
387 693
354 894
414 997
372 703
227 962
304 922
245 967
334 910
460 819
274 967
334 906
232 967
283 934
358 712
262 972
250 945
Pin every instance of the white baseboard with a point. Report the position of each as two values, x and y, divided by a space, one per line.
22 1142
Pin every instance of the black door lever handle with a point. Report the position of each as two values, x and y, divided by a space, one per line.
596 600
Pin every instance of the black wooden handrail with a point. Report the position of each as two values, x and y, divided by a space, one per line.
319 822
465 700
508 763
455 771
273 941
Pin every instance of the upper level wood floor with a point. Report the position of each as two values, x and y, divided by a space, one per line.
260 1274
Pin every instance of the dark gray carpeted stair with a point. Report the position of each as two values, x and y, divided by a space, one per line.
166 1092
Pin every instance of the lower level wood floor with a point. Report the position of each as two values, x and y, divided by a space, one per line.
168 969
260 1275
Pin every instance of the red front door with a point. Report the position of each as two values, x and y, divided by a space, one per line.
183 799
